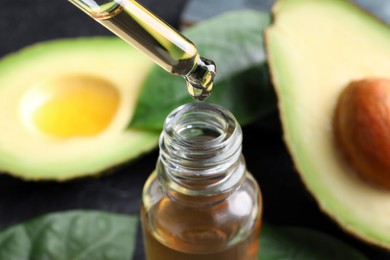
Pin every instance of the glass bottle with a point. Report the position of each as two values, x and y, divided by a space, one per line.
201 202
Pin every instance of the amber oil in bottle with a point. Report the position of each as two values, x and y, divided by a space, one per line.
201 202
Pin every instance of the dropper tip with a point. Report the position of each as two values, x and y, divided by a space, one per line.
201 81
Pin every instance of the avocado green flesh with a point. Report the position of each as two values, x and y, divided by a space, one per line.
35 156
315 48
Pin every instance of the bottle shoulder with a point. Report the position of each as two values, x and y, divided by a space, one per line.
247 191
226 221
233 209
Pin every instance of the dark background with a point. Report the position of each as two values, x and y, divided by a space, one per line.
286 202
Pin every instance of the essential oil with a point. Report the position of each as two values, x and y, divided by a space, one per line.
201 202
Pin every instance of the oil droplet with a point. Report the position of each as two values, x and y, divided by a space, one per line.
200 94
200 80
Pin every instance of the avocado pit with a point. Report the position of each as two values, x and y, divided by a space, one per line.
362 128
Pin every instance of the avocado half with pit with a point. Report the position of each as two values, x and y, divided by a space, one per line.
65 106
316 48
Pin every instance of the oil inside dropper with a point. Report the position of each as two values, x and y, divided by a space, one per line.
163 44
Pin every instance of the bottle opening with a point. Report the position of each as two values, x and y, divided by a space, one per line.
200 150
201 124
200 139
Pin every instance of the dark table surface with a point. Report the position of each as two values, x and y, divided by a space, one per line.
286 202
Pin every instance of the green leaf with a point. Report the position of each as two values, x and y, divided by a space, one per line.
234 42
75 235
300 244
255 97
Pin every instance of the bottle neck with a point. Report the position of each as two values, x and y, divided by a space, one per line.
200 151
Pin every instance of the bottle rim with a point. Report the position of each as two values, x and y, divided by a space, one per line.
193 117
200 149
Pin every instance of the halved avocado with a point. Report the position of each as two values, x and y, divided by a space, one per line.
65 106
315 49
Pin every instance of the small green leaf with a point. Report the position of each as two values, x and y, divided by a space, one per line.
254 99
234 42
300 244
75 235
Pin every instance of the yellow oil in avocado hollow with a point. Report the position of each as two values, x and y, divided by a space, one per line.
164 45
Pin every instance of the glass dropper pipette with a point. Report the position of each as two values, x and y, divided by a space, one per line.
163 44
